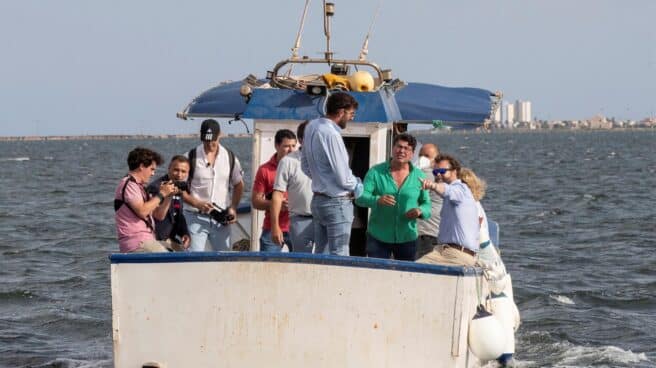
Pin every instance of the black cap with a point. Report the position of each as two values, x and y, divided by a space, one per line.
209 130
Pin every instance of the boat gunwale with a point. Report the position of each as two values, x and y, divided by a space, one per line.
300 258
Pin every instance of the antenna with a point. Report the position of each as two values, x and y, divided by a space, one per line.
365 45
297 44
328 12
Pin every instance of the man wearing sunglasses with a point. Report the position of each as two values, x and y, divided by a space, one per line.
459 228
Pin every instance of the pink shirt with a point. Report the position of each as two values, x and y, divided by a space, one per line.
131 229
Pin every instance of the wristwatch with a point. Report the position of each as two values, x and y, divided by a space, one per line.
161 197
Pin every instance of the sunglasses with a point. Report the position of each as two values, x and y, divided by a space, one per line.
440 171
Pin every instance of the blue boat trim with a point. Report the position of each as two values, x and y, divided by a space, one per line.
304 258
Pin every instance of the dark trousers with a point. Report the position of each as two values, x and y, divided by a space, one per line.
400 251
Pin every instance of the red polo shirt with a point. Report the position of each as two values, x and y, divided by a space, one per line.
263 183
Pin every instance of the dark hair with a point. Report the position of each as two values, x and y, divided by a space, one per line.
284 134
300 131
406 138
452 162
179 158
143 156
340 100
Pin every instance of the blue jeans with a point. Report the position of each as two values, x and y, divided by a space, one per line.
201 229
267 245
301 230
401 251
333 218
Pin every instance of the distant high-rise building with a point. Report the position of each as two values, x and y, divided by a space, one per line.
497 115
523 111
510 113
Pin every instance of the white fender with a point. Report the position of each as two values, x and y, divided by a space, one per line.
504 309
487 339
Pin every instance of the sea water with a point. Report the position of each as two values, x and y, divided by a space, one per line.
578 232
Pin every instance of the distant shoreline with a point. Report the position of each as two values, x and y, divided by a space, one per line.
107 137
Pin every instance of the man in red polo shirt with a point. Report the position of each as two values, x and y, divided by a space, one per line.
285 142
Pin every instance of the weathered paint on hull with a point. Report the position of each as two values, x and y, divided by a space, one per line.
257 310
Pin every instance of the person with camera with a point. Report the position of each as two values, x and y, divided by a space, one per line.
262 193
135 208
173 227
215 188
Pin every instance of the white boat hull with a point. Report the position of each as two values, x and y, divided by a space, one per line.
292 311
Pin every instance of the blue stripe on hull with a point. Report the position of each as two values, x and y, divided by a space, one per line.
303 258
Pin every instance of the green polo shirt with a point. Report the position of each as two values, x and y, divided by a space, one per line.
388 223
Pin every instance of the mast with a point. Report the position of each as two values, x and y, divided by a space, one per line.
328 12
365 45
297 44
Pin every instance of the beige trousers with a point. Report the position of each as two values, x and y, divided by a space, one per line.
448 256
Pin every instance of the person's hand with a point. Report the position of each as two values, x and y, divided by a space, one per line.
205 207
285 205
186 241
276 235
358 190
387 200
167 188
232 215
427 184
413 213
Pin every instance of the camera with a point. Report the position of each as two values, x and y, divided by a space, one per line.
220 215
182 185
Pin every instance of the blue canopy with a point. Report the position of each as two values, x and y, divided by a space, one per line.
223 101
428 102
414 103
284 104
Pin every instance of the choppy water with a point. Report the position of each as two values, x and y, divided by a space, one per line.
576 211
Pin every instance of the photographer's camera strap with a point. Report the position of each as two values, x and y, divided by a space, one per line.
120 202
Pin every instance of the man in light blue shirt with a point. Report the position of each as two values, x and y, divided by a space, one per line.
459 227
324 159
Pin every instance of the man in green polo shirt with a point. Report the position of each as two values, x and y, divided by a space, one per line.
392 190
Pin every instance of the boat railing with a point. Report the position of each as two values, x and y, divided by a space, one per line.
277 80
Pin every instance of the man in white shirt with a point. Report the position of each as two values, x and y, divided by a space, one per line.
215 180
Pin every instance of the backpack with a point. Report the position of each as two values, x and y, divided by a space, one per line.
192 165
118 203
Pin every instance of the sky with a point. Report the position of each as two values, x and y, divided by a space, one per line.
78 67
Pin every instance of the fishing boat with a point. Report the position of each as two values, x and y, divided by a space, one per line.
254 309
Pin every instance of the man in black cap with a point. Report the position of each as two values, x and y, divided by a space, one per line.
215 188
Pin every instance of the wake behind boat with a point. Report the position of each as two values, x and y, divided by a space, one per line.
251 309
